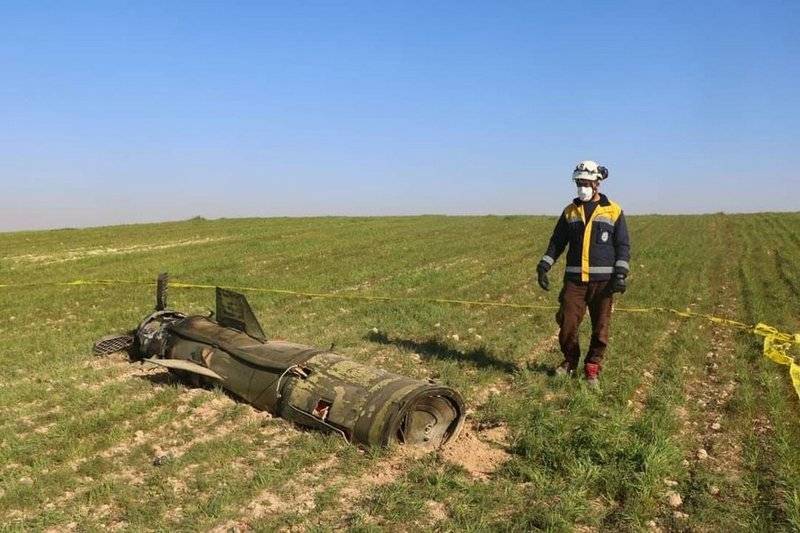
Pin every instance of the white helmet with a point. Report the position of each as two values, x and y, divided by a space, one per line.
589 170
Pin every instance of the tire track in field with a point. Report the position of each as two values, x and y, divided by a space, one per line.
783 267
710 391
651 389
641 394
781 227
772 461
711 445
784 256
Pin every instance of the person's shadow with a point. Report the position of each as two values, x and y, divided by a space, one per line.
435 349
540 368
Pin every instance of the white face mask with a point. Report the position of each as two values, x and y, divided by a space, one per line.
585 194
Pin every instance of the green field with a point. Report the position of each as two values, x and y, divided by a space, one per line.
91 443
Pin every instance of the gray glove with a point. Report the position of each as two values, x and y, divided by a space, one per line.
541 271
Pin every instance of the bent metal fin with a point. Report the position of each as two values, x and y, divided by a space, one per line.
233 311
183 364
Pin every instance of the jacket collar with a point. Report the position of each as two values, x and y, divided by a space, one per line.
603 201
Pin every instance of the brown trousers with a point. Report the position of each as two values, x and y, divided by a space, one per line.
575 297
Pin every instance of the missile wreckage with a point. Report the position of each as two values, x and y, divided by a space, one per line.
312 387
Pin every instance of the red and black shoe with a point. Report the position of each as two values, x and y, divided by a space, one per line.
592 373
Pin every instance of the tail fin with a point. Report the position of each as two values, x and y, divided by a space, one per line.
162 284
233 311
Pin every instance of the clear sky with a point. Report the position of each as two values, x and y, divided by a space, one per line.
114 112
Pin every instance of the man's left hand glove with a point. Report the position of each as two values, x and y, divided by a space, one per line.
618 283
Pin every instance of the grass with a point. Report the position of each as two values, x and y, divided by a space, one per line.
97 443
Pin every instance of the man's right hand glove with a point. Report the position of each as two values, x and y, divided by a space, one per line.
618 283
541 271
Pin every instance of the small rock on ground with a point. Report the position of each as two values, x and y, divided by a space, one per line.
674 499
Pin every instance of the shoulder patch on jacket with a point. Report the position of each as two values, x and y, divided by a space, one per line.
608 213
572 213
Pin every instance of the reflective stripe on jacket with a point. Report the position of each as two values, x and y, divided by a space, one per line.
598 247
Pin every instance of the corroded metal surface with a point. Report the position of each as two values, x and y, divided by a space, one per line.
310 386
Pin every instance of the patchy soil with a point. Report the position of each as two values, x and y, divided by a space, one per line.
387 471
542 348
712 396
297 497
703 416
120 369
436 511
479 451
82 253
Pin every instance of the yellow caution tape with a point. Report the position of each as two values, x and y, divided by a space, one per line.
777 345
365 297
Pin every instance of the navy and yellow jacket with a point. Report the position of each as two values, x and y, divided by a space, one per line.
598 247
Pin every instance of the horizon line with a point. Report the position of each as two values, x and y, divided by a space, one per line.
201 218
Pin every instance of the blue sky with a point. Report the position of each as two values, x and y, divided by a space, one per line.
114 112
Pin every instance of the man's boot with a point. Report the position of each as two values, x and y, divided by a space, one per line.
592 372
566 368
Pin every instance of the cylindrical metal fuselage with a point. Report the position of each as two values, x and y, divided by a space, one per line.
311 387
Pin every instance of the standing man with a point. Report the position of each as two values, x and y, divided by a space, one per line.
597 265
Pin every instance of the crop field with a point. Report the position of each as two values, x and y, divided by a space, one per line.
692 430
